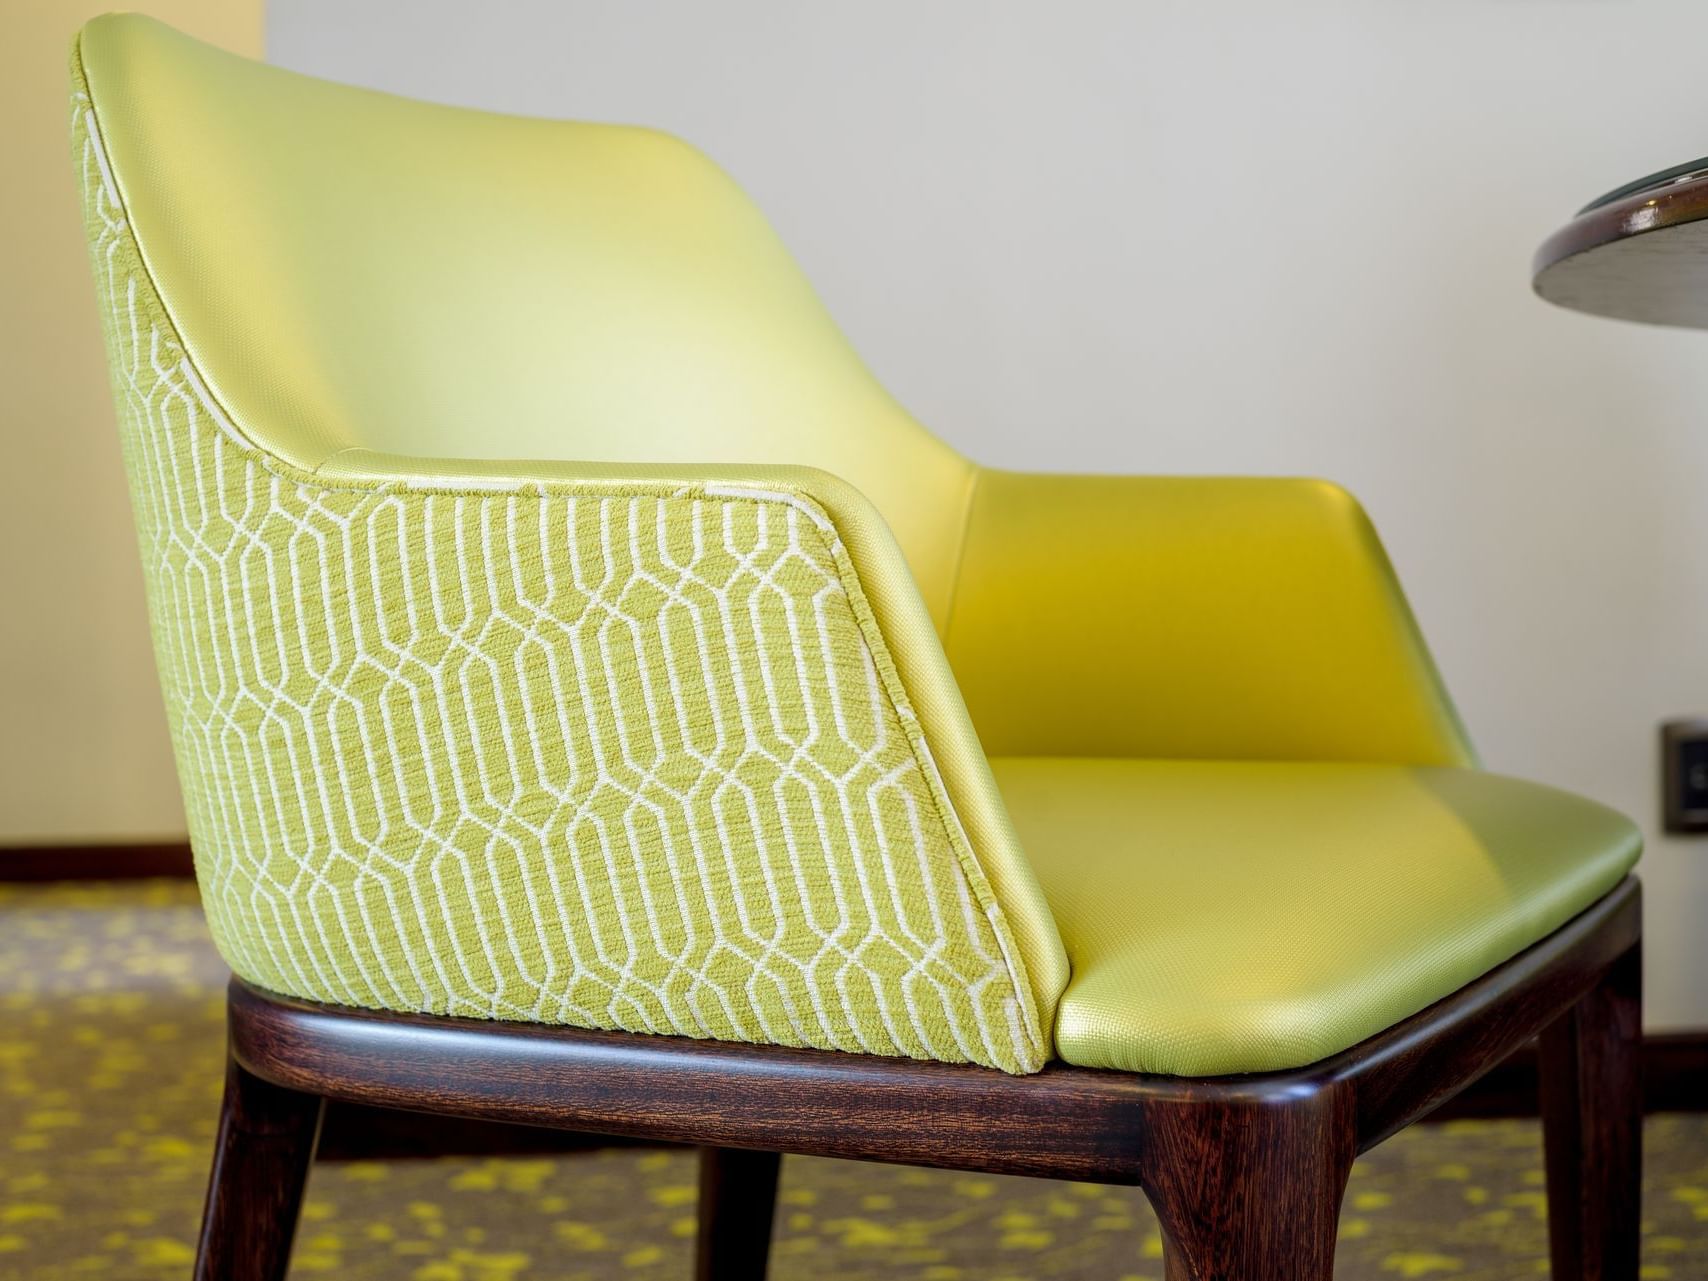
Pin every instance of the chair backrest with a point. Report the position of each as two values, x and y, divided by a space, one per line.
351 269
486 699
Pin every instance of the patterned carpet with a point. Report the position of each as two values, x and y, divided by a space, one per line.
110 1066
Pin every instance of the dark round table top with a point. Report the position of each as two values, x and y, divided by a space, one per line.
1638 253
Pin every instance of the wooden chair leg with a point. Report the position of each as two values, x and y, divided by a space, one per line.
261 1157
1251 1190
738 1196
1592 1125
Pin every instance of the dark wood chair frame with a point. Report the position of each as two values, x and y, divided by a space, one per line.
1245 1174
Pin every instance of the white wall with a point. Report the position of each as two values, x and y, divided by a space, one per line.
1240 237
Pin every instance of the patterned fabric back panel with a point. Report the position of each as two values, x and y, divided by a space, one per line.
614 758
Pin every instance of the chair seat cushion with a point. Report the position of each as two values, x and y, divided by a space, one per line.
1231 917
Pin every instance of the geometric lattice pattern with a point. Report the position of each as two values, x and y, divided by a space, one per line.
609 757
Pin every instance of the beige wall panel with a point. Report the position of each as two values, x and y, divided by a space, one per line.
83 752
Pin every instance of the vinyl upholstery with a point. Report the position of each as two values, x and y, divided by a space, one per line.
1213 618
1221 916
558 622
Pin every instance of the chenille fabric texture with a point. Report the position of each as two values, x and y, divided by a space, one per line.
613 756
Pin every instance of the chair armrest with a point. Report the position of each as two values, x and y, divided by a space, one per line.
689 738
861 570
715 695
1187 617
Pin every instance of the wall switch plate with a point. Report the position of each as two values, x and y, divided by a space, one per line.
1684 775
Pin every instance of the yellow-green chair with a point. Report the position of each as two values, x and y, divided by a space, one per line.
598 704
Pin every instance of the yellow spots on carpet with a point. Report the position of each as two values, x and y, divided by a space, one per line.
580 1236
978 1189
644 1257
1421 1264
469 1265
877 1201
29 1211
674 1194
1112 1223
167 1148
799 1221
1354 1229
115 1064
511 1176
1535 1202
1455 1170
313 1261
1021 1231
798 1196
1152 1248
1695 1197
52 1119
688 1225
366 1171
11 1242
863 1233
1654 1272
1059 1207
1372 1201
156 1252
